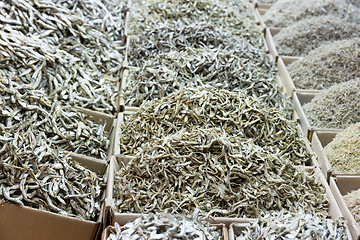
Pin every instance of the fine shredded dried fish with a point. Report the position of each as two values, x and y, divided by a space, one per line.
327 65
344 150
352 201
293 226
217 173
335 107
165 226
300 38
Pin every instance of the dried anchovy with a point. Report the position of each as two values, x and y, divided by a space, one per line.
286 12
237 113
335 107
354 2
242 68
59 52
327 65
34 175
166 226
294 226
300 38
219 174
344 150
24 109
168 36
352 201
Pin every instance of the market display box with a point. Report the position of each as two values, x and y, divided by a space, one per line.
340 186
19 222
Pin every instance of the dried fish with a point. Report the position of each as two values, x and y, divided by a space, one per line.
24 109
300 38
344 150
35 175
327 65
335 107
352 201
222 175
236 112
286 12
294 226
166 226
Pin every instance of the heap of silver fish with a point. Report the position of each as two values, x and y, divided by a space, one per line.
165 226
221 175
23 110
286 226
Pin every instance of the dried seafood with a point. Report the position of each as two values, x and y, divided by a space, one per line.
344 150
300 38
336 107
217 173
352 201
327 65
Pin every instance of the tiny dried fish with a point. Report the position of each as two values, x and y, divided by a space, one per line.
352 201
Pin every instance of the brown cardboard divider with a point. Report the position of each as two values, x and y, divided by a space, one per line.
285 79
340 186
258 18
264 6
19 222
289 59
270 43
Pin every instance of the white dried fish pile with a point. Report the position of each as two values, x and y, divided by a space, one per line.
35 175
62 51
344 150
237 113
220 174
352 201
294 226
335 107
23 110
300 38
166 226
327 65
286 12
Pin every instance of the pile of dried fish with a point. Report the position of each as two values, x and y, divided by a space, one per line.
61 52
236 112
222 175
242 68
327 65
34 175
335 107
286 12
23 109
354 2
166 226
300 38
344 150
294 226
352 201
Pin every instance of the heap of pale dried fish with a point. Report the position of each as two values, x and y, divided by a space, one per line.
235 112
166 226
222 175
286 12
23 109
327 65
335 107
344 150
242 68
293 226
300 38
352 201
34 175
354 2
60 52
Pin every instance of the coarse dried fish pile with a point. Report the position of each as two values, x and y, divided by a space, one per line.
344 150
286 12
338 62
34 174
220 174
237 113
352 201
166 226
294 226
335 107
300 38
64 52
24 110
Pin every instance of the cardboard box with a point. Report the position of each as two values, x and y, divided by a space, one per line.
340 186
269 33
19 223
